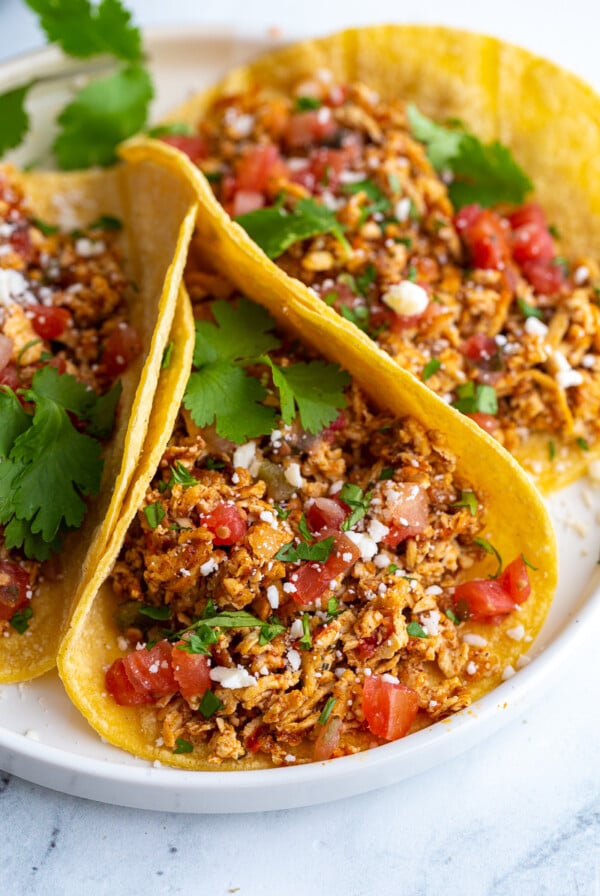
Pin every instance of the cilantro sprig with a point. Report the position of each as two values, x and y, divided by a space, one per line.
47 466
357 501
275 229
106 110
485 173
221 391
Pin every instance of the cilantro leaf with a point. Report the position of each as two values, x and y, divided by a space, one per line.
489 548
467 499
476 398
316 389
432 366
14 118
101 417
231 399
318 552
18 534
14 420
172 128
270 630
209 705
240 331
159 613
103 113
414 630
275 229
306 639
42 481
74 396
83 30
183 746
357 500
485 173
20 619
326 712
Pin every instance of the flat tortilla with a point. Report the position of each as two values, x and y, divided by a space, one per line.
92 641
549 118
158 211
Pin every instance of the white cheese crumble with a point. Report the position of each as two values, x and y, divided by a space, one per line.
293 475
294 659
535 327
273 596
523 661
402 209
474 640
296 629
391 679
208 567
580 275
382 560
365 544
244 455
433 590
508 673
336 487
471 668
431 622
89 248
232 678
289 588
517 633
377 530
406 298
267 517
13 286
568 378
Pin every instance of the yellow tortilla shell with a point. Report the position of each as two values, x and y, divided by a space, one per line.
548 117
516 520
158 211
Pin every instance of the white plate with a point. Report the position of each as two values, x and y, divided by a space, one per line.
43 738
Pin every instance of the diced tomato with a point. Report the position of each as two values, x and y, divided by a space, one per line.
482 600
122 346
530 213
151 671
545 277
49 321
191 671
389 708
14 588
367 646
226 523
307 128
482 351
20 240
246 201
400 322
257 166
485 235
312 579
328 739
328 435
193 146
327 513
486 421
515 580
121 689
9 376
408 508
532 242
254 741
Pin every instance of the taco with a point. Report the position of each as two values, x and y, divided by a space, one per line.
90 269
302 566
352 161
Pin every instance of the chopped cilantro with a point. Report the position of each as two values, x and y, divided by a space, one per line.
304 530
281 512
46 229
47 466
209 705
392 568
306 639
472 398
331 297
106 222
467 499
275 229
359 316
318 552
378 201
386 473
166 358
20 619
412 274
324 717
14 117
553 229
333 607
452 616
528 563
183 746
551 449
221 391
307 103
394 183
180 475
270 630
490 549
200 640
582 443
213 463
159 613
430 368
415 631
154 513
365 279
483 173
529 310
173 128
357 500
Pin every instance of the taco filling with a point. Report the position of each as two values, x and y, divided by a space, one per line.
420 235
288 591
65 338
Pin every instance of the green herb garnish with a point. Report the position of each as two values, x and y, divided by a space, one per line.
159 613
467 499
275 229
270 630
430 368
324 717
183 746
582 443
386 473
490 549
318 552
358 501
20 619
529 310
306 639
174 128
415 631
167 354
483 173
154 513
209 705
307 103
333 607
473 398
452 616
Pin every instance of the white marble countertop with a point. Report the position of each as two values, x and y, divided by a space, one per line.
519 814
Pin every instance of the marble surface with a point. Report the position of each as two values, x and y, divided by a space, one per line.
519 814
